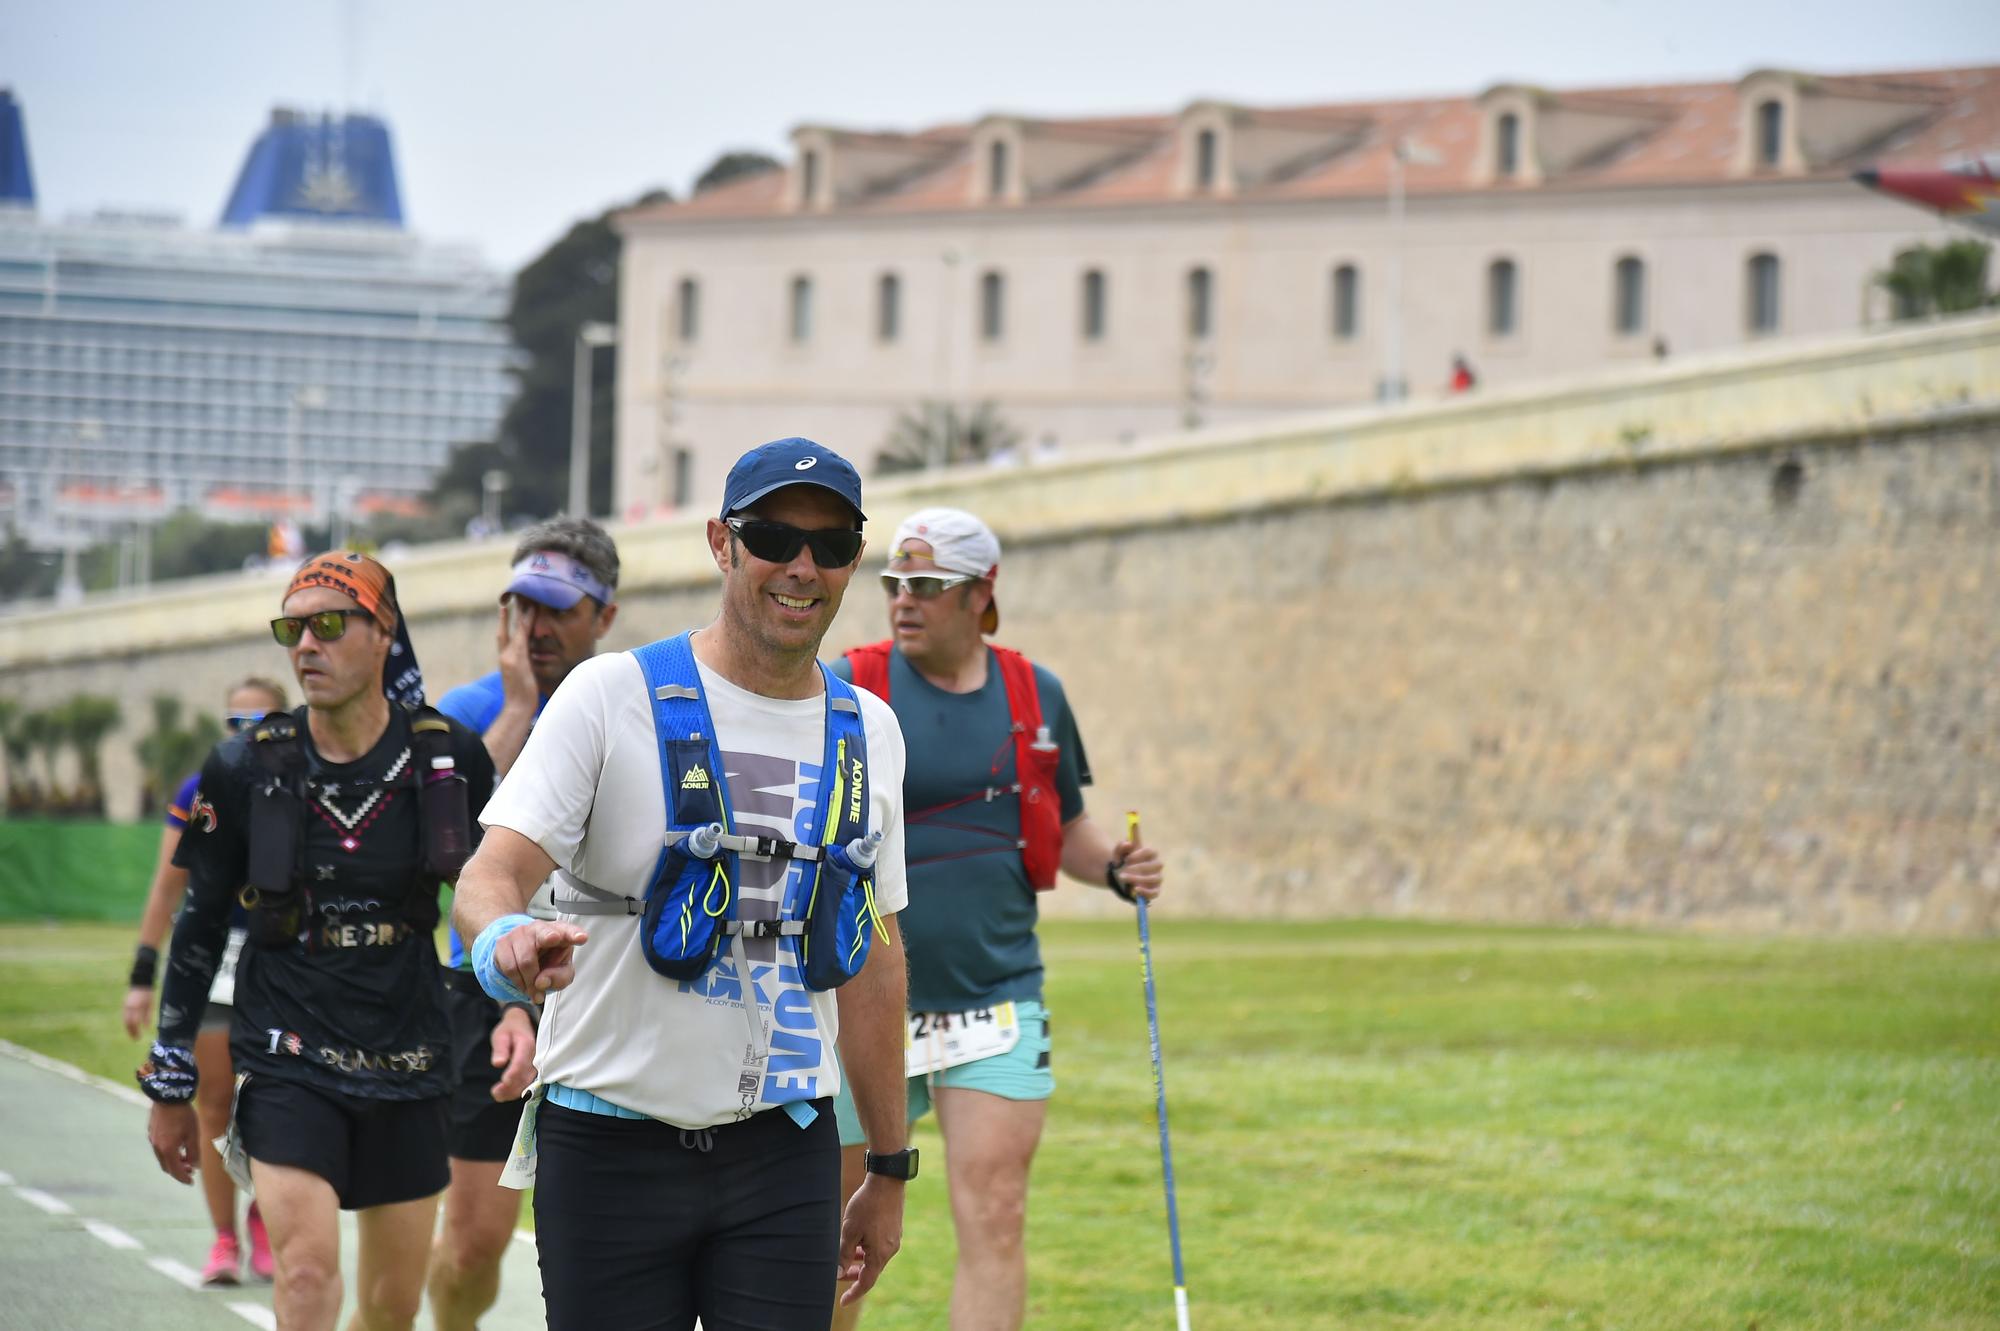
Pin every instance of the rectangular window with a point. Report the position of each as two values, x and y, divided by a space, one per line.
1093 306
1200 302
688 309
1763 314
992 307
1502 319
1346 302
1628 314
888 307
802 309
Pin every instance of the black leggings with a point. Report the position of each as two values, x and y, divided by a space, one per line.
640 1226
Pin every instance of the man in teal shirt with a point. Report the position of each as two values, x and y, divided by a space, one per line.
993 809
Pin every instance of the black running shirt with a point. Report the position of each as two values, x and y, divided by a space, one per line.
361 1010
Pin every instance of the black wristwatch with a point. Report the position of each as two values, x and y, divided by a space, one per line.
896 1164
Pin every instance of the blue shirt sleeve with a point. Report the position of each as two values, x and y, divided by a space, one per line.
475 705
183 800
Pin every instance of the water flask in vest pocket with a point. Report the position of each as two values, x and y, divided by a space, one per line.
688 904
446 817
687 908
840 915
270 881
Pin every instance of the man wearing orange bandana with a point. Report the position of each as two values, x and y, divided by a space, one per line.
333 825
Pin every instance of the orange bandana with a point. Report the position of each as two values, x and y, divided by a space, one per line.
354 576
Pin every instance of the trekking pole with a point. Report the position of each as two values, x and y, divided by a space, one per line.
1160 1091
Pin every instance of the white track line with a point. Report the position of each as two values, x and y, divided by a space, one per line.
35 1197
256 1314
129 1094
175 1272
112 1235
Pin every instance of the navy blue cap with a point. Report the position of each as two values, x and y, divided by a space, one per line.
794 461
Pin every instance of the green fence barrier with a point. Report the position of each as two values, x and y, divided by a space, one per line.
57 870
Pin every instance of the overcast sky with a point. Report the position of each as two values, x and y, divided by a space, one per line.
513 118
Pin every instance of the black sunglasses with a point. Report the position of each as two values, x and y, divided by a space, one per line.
326 625
779 542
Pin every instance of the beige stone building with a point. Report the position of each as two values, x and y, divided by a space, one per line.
1107 280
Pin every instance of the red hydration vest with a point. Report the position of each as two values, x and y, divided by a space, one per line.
1035 756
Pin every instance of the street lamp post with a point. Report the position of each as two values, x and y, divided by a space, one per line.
304 397
1395 387
588 337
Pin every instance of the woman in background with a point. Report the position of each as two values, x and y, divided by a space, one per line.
248 702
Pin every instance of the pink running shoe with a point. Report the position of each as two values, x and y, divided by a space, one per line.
223 1260
261 1264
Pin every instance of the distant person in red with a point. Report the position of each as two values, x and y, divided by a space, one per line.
1463 380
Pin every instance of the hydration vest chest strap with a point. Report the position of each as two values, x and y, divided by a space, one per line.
1037 758
692 903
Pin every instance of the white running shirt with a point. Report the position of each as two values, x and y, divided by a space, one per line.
587 790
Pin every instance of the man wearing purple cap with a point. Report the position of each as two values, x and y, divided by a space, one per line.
559 603
683 1150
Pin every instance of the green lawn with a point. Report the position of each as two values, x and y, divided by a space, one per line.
1388 1125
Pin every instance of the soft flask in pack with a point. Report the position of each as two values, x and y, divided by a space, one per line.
271 892
447 819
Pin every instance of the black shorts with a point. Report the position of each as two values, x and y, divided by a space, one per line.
639 1226
482 1128
373 1152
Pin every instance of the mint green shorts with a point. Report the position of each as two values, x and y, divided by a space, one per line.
1022 1073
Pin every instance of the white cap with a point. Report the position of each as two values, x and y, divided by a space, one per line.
960 543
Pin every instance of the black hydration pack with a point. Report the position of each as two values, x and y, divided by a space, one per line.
275 892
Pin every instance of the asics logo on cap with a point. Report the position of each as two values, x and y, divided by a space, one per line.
804 464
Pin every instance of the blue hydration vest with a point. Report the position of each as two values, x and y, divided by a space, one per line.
689 909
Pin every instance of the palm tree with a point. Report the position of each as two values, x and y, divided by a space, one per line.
36 735
934 434
170 753
1938 279
88 718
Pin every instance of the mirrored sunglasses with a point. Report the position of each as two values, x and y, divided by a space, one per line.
922 586
326 626
779 542
241 720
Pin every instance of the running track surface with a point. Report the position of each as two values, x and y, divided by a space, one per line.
93 1236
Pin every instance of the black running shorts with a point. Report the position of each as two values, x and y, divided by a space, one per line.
482 1128
642 1225
373 1152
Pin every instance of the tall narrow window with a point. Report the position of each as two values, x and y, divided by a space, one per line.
1507 145
1094 311
808 176
992 306
996 170
888 307
1762 297
1346 302
1502 297
1204 160
687 309
683 477
1628 299
1200 303
802 309
1770 133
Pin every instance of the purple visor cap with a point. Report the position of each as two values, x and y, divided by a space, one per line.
553 579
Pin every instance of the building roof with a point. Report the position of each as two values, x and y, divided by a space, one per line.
1683 134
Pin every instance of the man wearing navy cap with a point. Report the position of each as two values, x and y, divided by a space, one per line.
560 601
684 1153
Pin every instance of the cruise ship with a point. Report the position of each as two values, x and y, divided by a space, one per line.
308 356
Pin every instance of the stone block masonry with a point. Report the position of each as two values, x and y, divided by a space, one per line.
1701 646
